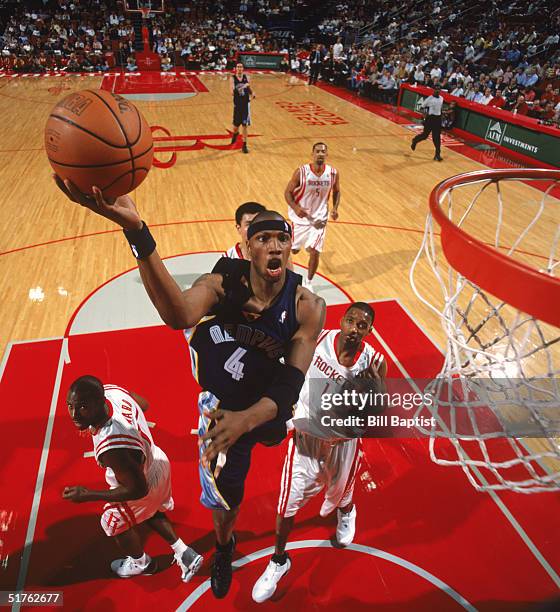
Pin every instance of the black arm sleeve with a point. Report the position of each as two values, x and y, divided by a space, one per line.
284 390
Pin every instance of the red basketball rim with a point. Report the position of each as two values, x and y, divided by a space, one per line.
514 282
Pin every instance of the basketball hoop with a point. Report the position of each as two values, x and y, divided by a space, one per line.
145 12
497 398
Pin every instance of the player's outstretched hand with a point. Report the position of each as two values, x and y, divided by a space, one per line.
229 426
75 494
334 214
121 210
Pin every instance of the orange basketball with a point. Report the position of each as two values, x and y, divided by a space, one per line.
96 138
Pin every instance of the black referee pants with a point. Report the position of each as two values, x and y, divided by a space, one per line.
314 73
432 125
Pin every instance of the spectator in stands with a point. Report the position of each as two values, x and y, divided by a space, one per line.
388 87
315 63
337 49
419 76
458 91
498 100
520 107
131 64
486 97
548 94
166 64
449 116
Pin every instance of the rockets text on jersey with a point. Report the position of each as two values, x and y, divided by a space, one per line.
328 374
313 193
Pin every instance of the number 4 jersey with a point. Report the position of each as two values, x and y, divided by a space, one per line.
235 355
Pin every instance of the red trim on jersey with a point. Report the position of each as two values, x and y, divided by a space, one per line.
319 238
302 192
128 511
299 187
117 387
356 356
333 173
145 437
109 440
317 175
353 471
239 251
288 466
322 336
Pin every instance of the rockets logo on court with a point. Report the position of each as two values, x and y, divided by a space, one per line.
495 132
196 142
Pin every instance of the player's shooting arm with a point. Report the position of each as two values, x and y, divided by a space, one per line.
141 401
178 309
128 472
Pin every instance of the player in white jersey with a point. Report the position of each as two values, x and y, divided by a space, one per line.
308 194
323 460
243 217
136 470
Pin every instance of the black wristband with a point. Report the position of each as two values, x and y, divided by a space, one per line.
142 243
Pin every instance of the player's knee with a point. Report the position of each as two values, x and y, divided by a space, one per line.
111 523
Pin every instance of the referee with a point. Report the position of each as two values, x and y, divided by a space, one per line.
242 94
432 122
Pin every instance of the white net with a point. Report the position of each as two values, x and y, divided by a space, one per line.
497 397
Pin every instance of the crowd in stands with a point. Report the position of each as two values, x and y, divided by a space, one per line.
501 53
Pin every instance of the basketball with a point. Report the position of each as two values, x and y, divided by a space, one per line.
96 138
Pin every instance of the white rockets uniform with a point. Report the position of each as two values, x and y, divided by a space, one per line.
312 462
127 428
312 194
235 252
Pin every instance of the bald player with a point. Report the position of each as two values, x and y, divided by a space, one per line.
137 471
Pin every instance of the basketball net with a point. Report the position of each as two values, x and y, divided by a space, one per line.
145 12
496 401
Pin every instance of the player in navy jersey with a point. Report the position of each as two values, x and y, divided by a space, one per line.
243 318
242 96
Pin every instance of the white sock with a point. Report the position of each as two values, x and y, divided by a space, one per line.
144 560
179 547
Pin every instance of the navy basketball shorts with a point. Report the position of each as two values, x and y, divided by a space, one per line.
241 115
226 491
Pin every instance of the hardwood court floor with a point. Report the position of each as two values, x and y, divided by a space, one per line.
53 253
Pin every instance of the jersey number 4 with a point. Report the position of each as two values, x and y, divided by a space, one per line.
234 365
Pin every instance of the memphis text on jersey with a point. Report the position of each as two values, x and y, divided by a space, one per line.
247 336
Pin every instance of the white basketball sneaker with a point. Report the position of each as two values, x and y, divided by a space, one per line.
346 527
265 586
189 562
128 567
